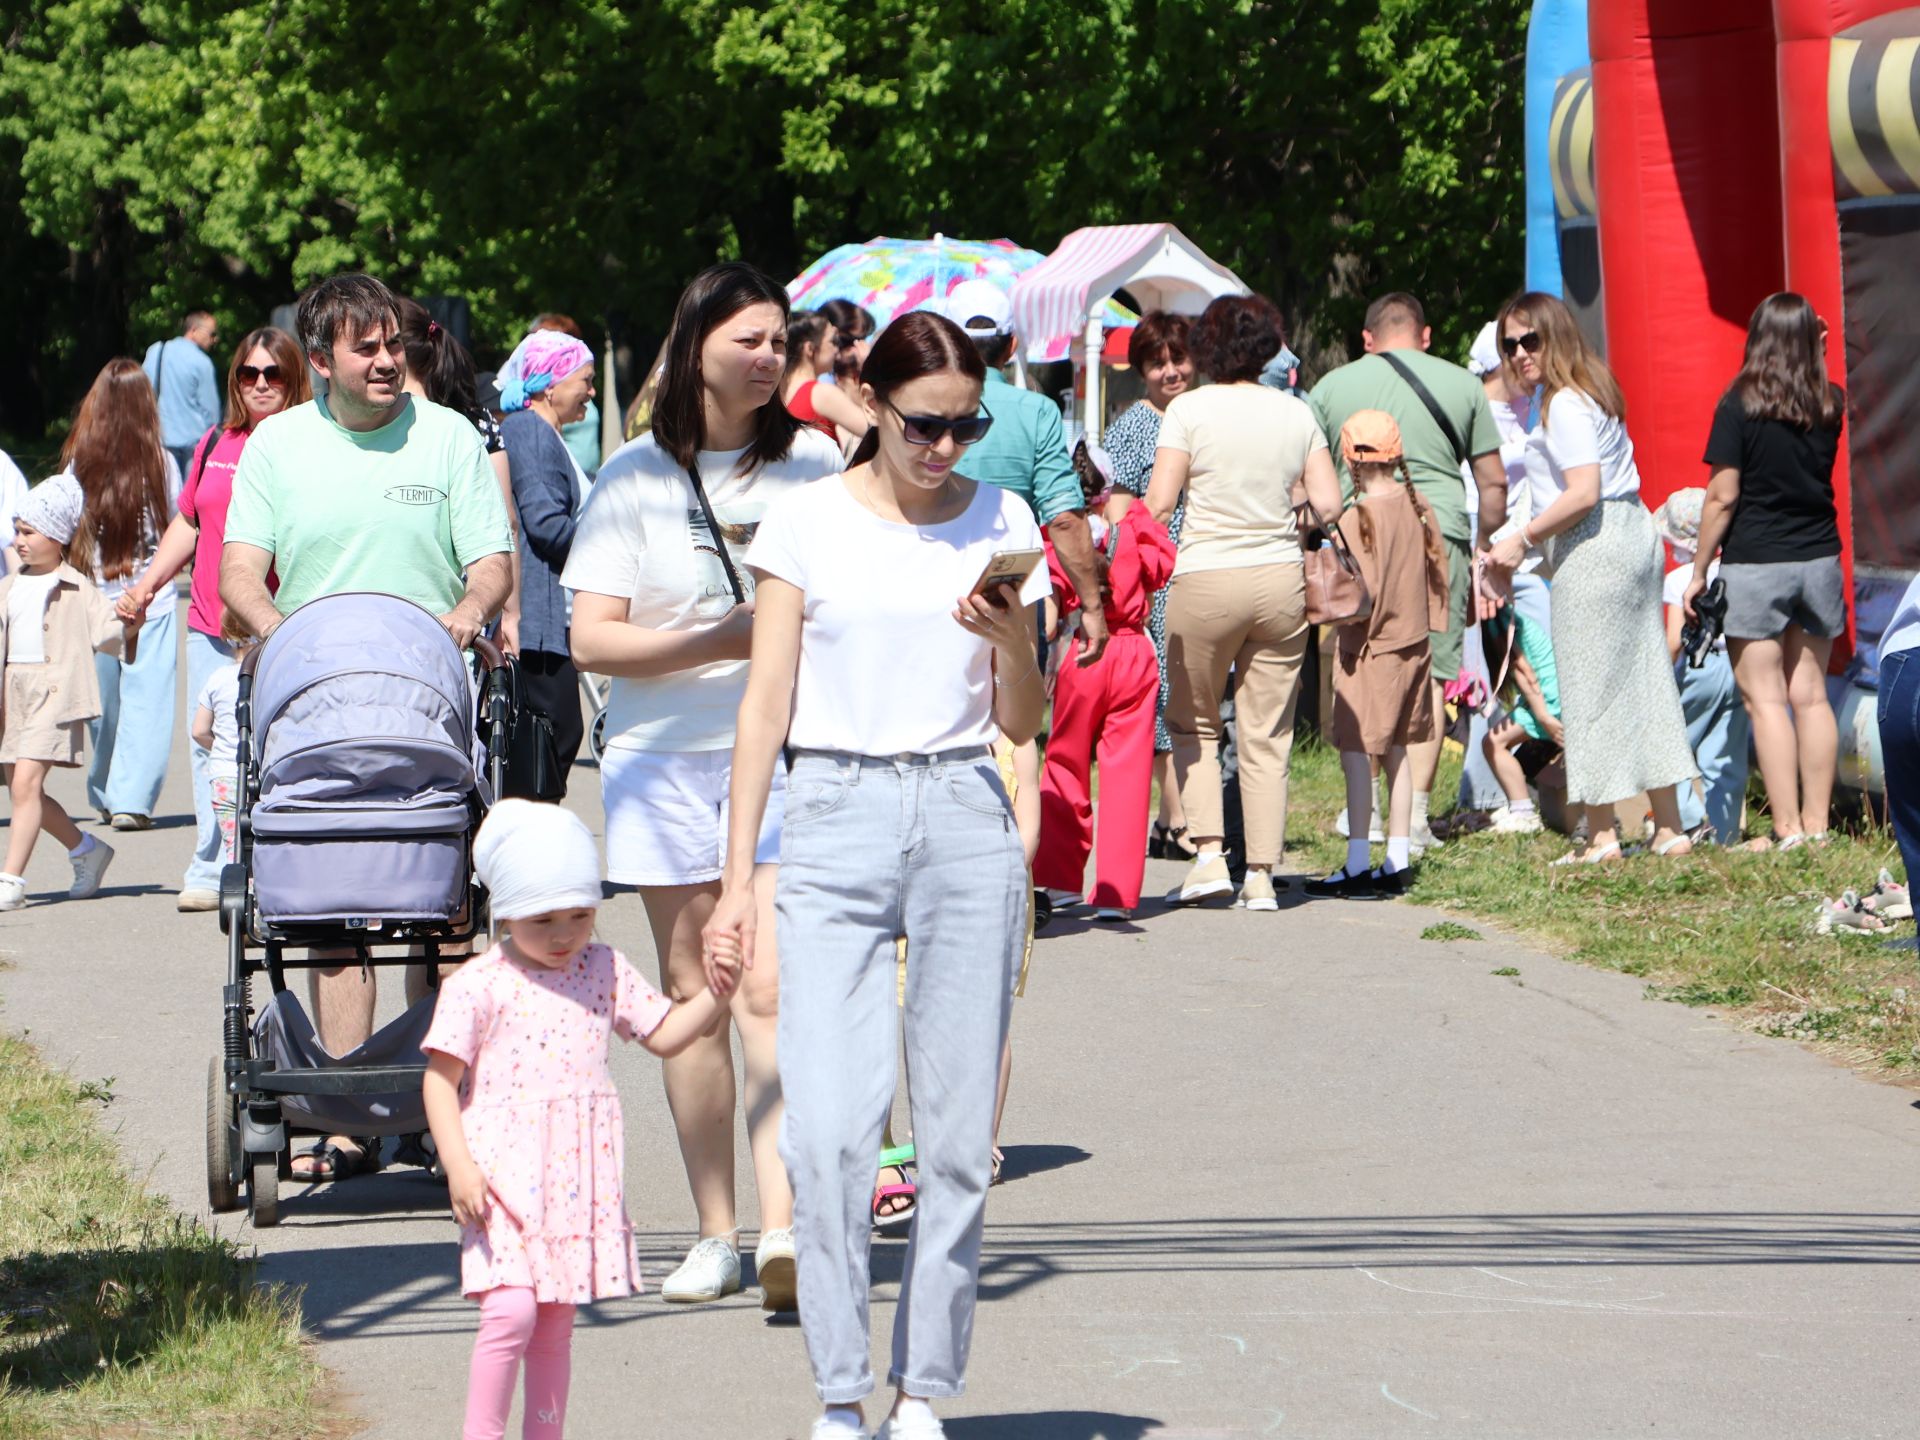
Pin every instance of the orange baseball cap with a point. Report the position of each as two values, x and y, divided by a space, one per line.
1370 437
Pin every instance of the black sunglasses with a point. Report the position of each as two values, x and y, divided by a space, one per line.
1514 344
927 429
250 373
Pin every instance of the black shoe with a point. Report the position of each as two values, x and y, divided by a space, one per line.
1389 884
1342 886
1042 909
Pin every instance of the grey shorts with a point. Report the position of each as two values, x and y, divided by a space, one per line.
1763 600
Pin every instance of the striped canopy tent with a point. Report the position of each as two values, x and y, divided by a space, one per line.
1058 304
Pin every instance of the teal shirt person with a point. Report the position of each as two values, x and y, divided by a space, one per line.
1025 451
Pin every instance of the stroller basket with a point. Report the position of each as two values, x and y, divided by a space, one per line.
367 789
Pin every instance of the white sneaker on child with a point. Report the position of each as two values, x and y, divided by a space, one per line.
711 1270
13 893
1505 822
89 869
829 1428
774 1262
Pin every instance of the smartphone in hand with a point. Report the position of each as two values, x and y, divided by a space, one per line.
1007 567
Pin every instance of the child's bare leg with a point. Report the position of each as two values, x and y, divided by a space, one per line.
26 785
1498 748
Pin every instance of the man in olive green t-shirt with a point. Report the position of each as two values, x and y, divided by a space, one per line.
1397 326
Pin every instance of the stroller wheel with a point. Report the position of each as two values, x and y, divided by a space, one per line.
223 1143
263 1191
597 736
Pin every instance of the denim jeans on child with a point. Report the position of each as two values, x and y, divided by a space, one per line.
210 850
134 734
1899 713
874 849
1719 731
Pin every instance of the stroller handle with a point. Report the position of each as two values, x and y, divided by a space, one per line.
492 657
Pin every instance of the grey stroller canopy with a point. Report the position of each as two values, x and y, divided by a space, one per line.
367 766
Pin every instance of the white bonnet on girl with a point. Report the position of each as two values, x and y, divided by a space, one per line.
535 859
54 507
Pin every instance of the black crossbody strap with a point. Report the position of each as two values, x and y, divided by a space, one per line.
713 529
1405 372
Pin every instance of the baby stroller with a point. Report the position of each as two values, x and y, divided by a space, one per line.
361 783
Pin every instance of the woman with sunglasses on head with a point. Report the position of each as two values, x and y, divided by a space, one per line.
663 603
268 375
1625 732
887 677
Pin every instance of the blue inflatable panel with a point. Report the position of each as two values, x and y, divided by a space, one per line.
1556 43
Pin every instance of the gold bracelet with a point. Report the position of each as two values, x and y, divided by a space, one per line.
1032 665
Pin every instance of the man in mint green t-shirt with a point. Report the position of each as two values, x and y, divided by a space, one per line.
366 487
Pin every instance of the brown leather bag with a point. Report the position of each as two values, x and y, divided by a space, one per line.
1336 595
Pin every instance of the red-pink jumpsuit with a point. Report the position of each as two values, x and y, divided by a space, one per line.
1105 711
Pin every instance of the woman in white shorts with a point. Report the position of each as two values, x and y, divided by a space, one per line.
663 604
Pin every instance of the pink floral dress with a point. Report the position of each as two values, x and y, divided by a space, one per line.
542 1119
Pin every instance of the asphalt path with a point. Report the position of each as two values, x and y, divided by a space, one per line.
1295 1174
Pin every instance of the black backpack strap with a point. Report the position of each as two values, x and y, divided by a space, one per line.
1405 372
207 442
713 529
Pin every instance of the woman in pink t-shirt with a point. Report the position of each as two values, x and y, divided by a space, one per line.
269 375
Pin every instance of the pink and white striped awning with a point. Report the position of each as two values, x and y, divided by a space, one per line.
1160 267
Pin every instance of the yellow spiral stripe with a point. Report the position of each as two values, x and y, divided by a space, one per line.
1847 155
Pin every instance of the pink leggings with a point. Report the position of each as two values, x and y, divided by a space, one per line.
513 1324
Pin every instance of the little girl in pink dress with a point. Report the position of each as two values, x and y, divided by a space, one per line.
525 1115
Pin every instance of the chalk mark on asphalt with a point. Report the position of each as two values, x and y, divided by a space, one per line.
1403 1404
1635 1305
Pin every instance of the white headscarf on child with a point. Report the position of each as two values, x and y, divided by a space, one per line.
54 508
535 859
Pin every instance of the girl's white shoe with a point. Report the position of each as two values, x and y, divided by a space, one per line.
920 1426
828 1428
13 893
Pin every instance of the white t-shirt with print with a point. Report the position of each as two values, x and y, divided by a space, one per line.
642 538
885 669
221 695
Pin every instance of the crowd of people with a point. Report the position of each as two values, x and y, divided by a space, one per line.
835 586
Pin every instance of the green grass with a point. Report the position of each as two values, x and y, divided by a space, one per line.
1447 932
1722 929
118 1317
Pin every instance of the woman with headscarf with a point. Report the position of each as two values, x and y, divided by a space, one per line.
544 386
269 375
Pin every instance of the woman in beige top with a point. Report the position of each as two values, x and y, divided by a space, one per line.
1243 455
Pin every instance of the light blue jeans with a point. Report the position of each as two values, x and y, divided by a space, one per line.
134 732
1719 731
204 655
873 850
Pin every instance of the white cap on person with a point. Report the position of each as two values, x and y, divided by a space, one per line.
535 859
1485 356
980 308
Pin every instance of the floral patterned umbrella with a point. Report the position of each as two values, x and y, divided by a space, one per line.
889 277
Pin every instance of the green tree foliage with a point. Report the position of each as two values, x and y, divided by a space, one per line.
588 155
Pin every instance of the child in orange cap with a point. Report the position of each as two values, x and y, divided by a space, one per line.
1382 692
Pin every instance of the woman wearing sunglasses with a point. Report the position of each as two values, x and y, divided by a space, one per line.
663 603
269 375
1625 732
886 678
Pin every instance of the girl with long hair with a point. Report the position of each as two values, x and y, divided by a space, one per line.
887 677
132 486
1770 514
1620 709
663 603
268 375
808 389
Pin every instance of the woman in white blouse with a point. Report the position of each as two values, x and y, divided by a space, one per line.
1621 709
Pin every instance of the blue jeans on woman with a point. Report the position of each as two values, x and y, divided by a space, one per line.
204 655
1899 713
134 732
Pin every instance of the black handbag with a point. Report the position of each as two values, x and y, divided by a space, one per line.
533 769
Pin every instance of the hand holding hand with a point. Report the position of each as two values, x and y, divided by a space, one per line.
132 605
467 1190
728 939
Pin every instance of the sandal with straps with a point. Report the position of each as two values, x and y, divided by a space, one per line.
887 1220
1590 856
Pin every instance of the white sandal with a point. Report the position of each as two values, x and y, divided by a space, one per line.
1679 837
1591 856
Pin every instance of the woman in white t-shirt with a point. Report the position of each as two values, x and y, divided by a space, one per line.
663 604
1618 700
887 679
1243 455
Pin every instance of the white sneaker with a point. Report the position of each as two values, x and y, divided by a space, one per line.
1114 914
1505 822
1207 878
13 893
919 1428
826 1429
1256 892
89 869
1065 899
197 900
711 1270
774 1266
